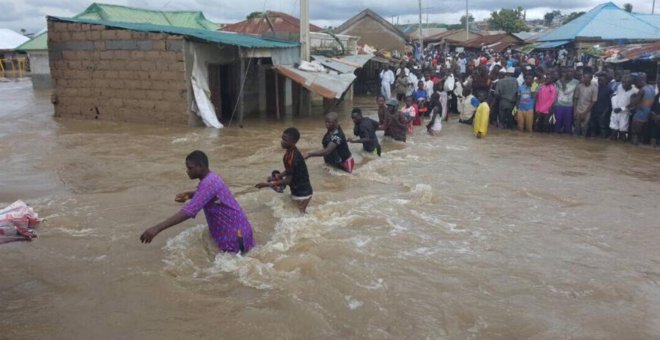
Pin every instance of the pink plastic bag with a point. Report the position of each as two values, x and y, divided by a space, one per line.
17 223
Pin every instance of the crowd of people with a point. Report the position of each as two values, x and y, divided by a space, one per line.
535 92
544 93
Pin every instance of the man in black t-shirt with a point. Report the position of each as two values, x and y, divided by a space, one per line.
365 128
335 150
295 173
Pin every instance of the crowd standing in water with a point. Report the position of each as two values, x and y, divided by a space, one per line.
537 92
543 93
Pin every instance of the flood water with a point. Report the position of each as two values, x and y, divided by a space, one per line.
516 236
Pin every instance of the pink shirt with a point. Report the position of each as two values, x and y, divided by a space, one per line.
545 97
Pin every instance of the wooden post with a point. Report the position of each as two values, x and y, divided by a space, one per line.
241 104
277 96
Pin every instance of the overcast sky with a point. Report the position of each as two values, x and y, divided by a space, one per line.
30 14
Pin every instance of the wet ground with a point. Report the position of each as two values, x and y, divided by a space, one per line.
516 236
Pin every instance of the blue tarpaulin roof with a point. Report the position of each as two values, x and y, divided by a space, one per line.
606 22
242 40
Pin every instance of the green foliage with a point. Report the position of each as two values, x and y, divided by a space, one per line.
508 20
572 17
255 15
470 19
548 17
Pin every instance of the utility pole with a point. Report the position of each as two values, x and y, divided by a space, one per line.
421 37
304 99
467 22
653 8
304 30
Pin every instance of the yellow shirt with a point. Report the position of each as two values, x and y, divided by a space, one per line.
481 119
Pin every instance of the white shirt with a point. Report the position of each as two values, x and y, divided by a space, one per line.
621 98
449 83
387 76
428 86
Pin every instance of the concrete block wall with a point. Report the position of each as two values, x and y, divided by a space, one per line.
112 74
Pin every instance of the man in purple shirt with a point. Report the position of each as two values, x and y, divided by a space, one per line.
228 225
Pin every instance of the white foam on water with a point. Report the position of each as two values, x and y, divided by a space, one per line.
361 241
353 303
76 232
378 284
180 140
455 147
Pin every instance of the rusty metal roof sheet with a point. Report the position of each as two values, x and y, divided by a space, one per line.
324 84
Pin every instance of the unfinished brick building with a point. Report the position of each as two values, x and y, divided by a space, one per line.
146 73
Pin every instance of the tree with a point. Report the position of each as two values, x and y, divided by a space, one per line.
550 16
571 17
508 20
470 19
255 15
628 7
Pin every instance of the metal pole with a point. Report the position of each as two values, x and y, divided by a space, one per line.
653 8
304 30
421 37
467 22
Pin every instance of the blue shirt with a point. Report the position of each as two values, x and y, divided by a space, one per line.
526 98
420 94
643 111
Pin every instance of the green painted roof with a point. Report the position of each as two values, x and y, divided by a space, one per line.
189 19
38 43
226 38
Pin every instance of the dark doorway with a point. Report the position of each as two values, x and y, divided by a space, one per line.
223 85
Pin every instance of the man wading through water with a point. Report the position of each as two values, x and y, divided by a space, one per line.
335 150
228 225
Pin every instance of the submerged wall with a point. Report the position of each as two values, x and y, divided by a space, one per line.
112 74
40 70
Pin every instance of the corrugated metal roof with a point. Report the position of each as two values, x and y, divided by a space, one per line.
492 39
607 22
346 64
189 19
323 84
276 22
618 54
9 39
242 40
38 43
551 44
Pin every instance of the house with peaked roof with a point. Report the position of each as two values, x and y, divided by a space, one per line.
373 30
269 22
37 51
9 60
282 26
497 42
451 38
37 47
604 24
163 75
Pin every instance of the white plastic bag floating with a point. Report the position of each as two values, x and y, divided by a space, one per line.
17 223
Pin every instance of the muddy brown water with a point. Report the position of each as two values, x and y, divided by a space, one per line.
512 237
